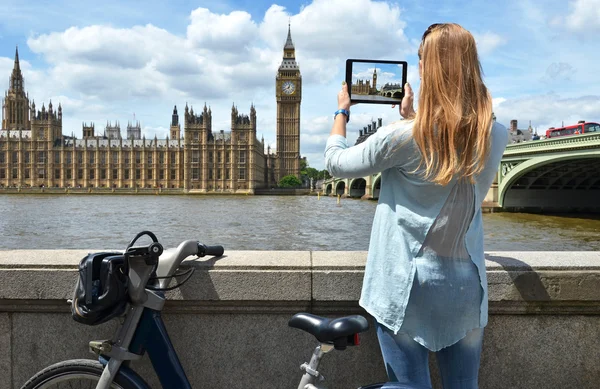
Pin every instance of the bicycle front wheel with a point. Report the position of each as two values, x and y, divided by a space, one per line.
75 374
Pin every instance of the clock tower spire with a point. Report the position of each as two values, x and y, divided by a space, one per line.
289 95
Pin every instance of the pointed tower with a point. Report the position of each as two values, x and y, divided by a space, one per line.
175 130
375 79
15 112
289 96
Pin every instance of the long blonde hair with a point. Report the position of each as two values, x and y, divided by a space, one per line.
453 123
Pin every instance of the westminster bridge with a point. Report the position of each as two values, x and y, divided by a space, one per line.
552 174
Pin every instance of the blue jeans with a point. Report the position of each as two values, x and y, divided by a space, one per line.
407 362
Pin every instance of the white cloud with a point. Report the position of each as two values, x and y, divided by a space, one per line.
487 42
233 32
548 110
584 16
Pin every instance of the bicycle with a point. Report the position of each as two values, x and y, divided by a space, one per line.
149 271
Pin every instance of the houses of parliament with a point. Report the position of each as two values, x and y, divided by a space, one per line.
35 153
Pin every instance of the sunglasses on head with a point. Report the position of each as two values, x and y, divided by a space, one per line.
427 32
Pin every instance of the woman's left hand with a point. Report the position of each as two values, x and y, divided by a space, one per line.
343 97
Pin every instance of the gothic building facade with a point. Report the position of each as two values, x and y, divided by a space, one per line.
35 153
365 87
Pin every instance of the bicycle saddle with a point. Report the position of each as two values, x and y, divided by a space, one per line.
334 331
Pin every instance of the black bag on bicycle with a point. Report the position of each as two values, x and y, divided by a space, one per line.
101 291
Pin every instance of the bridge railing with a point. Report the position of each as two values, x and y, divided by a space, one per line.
229 322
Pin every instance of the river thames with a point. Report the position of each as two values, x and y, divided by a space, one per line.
249 223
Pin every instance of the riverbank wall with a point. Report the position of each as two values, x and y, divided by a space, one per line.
152 191
229 322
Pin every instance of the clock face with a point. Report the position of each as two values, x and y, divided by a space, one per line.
288 87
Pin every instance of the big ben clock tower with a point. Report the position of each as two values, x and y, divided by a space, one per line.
289 94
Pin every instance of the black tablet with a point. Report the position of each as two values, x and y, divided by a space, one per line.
376 81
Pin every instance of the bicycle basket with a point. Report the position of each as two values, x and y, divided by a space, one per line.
101 290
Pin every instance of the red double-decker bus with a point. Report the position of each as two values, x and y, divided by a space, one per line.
582 127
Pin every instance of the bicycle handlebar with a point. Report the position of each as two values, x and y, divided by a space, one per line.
215 251
171 258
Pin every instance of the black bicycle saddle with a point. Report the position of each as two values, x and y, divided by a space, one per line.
328 330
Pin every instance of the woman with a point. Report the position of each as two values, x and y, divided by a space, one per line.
425 280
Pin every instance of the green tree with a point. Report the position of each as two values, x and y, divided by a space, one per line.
303 166
313 173
290 181
324 175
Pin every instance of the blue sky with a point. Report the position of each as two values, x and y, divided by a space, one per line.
104 61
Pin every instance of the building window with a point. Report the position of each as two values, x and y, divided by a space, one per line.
69 157
227 157
80 174
242 175
210 157
195 156
2 159
80 157
150 175
69 174
173 174
173 157
92 174
57 158
103 174
227 176
218 174
161 174
138 157
210 174
103 157
242 136
161 157
115 157
242 156
150 159
41 173
195 136
126 172
138 174
115 174
219 155
15 173
92 157
195 173
26 157
56 174
2 173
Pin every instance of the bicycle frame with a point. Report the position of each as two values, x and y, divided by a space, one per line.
143 330
151 336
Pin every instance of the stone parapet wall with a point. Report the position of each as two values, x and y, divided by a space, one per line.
229 322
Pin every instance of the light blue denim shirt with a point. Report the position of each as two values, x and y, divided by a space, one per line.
407 208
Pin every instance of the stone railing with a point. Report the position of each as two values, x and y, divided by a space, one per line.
229 323
591 140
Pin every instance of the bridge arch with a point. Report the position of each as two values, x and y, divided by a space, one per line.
555 181
358 187
329 189
376 187
340 188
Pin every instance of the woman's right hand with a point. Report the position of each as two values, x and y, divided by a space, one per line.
407 108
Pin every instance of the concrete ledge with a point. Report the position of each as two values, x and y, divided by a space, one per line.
544 328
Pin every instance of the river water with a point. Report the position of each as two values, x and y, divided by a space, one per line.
249 223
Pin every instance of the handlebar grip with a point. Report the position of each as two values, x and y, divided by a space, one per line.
215 251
